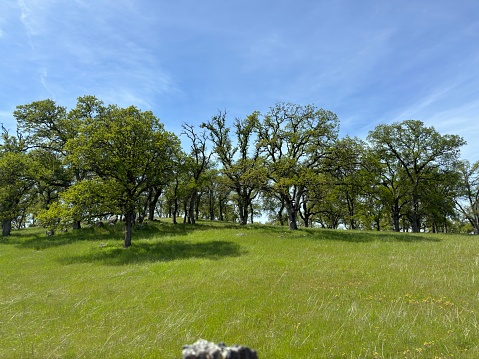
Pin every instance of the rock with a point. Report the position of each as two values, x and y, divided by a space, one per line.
203 349
112 219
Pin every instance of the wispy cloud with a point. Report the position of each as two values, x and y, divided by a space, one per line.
370 62
424 104
93 48
29 17
24 17
32 16
44 82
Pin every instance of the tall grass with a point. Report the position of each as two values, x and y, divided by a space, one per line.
287 294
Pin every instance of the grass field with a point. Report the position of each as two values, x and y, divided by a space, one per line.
287 294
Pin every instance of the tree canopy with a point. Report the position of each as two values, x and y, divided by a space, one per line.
67 167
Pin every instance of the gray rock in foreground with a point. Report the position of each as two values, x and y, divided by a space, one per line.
204 349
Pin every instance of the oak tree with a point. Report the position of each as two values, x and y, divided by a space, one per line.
294 140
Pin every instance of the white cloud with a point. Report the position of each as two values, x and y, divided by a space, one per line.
44 82
447 117
424 104
26 17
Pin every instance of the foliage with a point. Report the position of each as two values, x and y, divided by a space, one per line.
243 168
467 199
66 167
124 147
416 153
15 180
86 200
196 165
295 139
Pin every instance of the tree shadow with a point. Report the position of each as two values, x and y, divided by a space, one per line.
106 232
36 238
41 241
160 251
368 236
355 236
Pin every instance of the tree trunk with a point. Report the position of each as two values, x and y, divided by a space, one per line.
415 220
185 211
130 218
395 218
6 227
243 214
76 225
292 216
175 201
152 204
415 217
349 201
221 216
305 214
197 206
211 204
474 220
191 209
175 210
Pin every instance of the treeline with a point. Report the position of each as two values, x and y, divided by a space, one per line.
63 168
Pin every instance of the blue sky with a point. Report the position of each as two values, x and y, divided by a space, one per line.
369 61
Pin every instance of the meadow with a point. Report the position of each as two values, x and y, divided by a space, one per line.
310 293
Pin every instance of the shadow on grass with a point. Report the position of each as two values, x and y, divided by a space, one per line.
161 251
36 239
345 235
366 236
39 241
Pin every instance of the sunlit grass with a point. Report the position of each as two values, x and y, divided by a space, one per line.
303 294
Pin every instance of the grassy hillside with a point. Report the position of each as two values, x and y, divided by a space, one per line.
302 294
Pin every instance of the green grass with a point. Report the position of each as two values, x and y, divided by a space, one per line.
302 294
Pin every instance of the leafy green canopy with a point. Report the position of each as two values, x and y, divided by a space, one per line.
126 149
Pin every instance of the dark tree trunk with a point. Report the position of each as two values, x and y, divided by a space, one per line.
175 202
185 211
130 219
6 227
243 214
395 218
305 214
76 225
221 209
352 222
175 210
152 204
415 220
211 205
415 216
197 206
191 209
292 216
280 217
242 206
